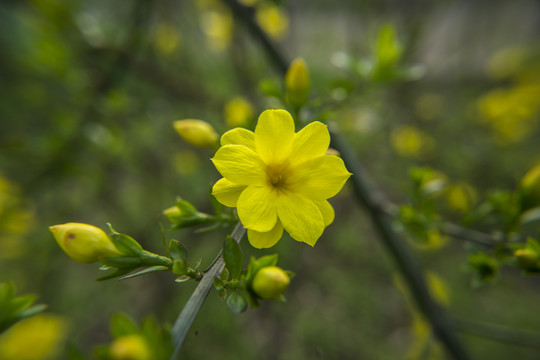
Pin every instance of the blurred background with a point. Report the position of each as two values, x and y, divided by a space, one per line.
89 93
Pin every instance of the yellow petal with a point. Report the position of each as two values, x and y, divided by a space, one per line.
263 240
327 211
274 135
240 165
319 178
239 136
312 141
257 208
300 217
227 192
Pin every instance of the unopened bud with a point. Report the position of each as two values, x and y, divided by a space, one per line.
297 82
529 189
130 347
527 258
84 243
197 132
238 112
270 282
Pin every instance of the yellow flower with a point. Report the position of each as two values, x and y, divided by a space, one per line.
279 179
39 337
84 243
196 132
270 282
130 347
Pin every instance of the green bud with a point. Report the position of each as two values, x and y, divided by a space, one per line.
529 189
84 243
270 282
297 82
527 258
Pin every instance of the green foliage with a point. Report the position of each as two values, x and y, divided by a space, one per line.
15 308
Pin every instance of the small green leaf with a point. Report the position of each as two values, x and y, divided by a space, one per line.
122 324
182 278
114 274
237 302
122 262
232 255
32 310
186 209
180 267
145 271
177 250
125 244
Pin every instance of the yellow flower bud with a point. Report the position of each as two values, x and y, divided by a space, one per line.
270 282
527 258
84 243
238 112
530 189
297 82
197 132
130 347
171 211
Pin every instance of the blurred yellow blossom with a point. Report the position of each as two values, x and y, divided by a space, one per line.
15 220
238 112
279 179
429 106
186 162
166 38
130 347
408 141
273 20
461 197
217 24
36 338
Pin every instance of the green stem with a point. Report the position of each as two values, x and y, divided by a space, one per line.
189 312
150 259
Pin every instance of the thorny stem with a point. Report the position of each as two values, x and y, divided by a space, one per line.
367 196
189 312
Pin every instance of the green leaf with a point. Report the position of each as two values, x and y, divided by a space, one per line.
145 271
237 302
32 310
180 267
124 243
177 250
186 209
232 255
218 207
129 263
122 324
114 274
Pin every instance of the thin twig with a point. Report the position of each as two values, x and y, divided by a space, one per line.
189 312
500 333
365 194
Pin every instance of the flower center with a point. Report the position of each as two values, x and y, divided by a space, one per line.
277 175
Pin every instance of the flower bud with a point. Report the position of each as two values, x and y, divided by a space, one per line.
270 282
84 243
238 112
130 347
529 189
527 258
197 132
297 82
